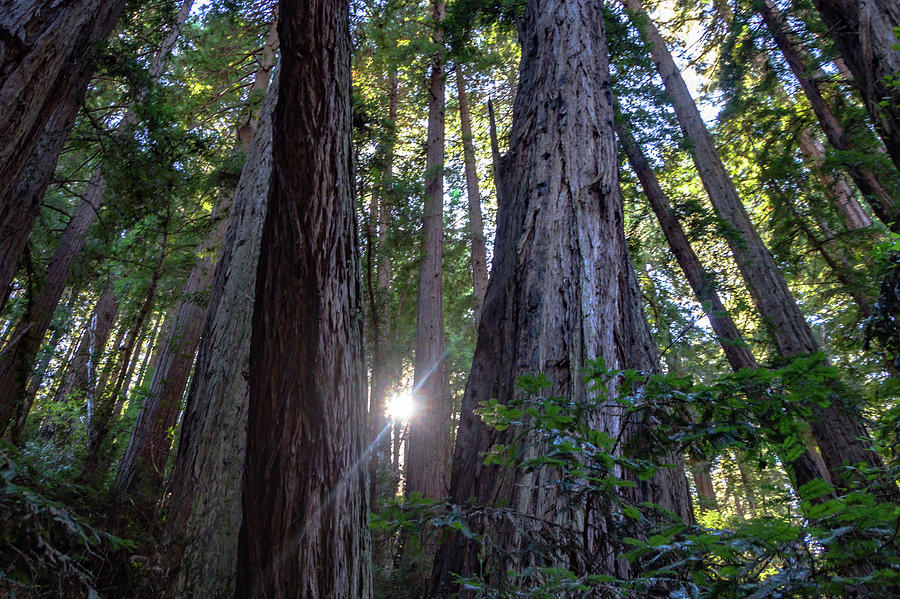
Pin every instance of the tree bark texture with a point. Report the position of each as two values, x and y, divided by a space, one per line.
266 62
45 46
16 364
17 218
562 289
868 183
476 224
429 437
304 531
149 446
205 489
838 429
863 31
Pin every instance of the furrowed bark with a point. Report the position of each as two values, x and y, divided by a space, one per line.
45 47
863 32
304 531
562 291
205 488
429 437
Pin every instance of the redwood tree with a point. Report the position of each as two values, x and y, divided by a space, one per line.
562 289
304 530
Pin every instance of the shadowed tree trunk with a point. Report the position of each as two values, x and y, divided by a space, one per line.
429 437
148 449
15 365
45 49
864 34
838 428
867 182
476 225
205 489
304 531
562 291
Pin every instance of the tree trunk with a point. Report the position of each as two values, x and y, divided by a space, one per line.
205 489
476 226
304 532
17 219
247 128
838 429
803 468
112 402
863 32
44 51
870 186
83 365
15 365
429 435
379 430
562 291
706 492
836 189
148 450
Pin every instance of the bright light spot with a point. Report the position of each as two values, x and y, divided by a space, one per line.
401 406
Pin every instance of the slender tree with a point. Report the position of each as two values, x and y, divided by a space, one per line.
304 529
837 428
426 469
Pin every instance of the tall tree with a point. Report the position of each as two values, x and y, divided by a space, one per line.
864 33
476 225
148 448
426 469
562 289
837 428
205 492
797 59
44 51
304 529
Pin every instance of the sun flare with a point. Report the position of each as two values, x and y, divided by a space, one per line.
401 406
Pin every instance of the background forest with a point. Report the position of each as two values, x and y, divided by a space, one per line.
475 298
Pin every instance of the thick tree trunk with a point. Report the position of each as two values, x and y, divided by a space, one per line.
562 290
838 429
247 127
205 500
869 184
863 31
836 189
476 226
803 468
45 48
304 532
15 365
17 218
148 450
429 435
